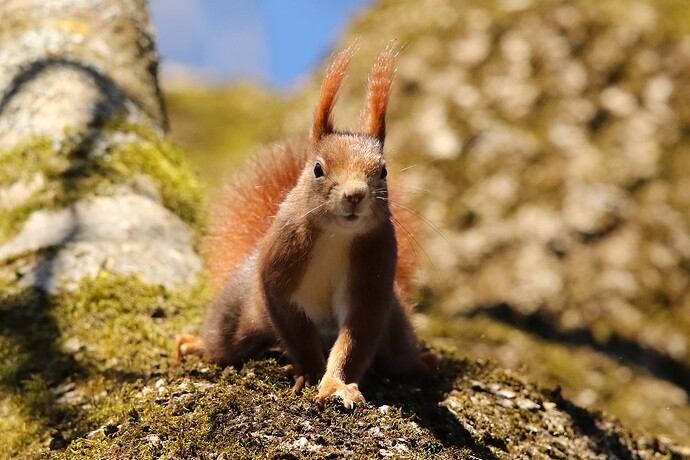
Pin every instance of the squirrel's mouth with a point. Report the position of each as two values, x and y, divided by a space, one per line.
350 221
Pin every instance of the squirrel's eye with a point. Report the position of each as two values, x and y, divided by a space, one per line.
384 173
318 170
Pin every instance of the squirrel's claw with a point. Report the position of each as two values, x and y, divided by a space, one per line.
429 361
300 383
301 380
349 394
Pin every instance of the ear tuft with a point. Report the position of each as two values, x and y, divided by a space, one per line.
323 119
373 116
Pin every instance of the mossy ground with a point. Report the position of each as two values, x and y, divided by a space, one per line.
89 374
66 361
201 411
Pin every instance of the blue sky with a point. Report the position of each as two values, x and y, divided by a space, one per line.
277 42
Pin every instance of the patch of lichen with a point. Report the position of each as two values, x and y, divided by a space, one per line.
98 162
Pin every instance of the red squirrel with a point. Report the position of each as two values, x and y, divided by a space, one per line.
306 247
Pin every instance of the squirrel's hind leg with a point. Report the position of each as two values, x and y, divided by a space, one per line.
399 352
236 332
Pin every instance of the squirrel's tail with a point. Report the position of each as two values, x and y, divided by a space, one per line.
245 209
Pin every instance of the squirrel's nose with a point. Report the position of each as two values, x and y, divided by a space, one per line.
354 196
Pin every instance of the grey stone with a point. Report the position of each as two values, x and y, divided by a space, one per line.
124 234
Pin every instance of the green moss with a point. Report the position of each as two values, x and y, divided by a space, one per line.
23 161
161 160
89 373
71 169
36 159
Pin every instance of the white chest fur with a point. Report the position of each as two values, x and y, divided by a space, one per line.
322 290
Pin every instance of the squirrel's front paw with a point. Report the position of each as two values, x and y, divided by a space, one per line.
186 344
349 394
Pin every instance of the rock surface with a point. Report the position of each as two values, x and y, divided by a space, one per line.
76 79
69 64
124 234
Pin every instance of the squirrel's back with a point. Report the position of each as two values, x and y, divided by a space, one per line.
250 200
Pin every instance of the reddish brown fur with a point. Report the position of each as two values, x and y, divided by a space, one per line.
373 116
306 239
323 118
247 206
240 219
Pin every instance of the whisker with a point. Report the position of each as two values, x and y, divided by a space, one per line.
424 219
410 238
420 164
403 190
431 160
405 193
302 216
411 187
311 210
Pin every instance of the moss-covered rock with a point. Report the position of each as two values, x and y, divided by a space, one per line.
120 196
46 173
89 181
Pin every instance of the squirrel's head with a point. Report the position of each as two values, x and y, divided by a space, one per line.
346 171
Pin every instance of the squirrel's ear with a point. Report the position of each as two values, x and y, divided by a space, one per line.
323 119
373 117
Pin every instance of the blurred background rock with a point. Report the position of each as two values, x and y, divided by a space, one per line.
546 143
